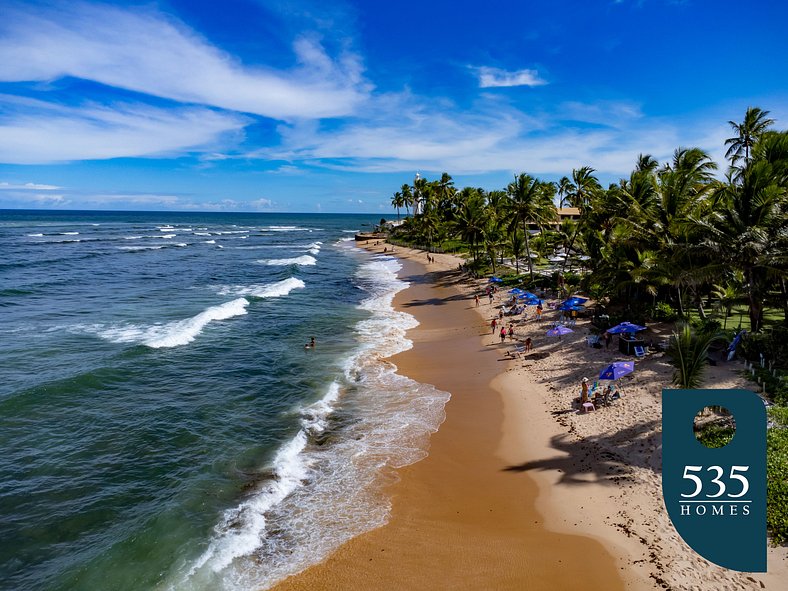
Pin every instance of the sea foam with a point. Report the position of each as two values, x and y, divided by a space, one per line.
269 290
171 334
327 482
302 260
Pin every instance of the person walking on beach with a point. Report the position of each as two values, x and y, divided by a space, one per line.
503 334
608 338
511 332
476 297
529 344
494 323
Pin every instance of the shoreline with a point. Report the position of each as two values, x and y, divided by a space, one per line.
461 518
585 485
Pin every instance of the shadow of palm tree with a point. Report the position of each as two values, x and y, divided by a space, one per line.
601 458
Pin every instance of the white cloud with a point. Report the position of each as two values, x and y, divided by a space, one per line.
27 187
262 203
495 78
491 137
48 198
35 132
145 51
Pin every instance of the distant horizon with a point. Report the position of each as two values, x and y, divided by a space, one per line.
331 106
195 212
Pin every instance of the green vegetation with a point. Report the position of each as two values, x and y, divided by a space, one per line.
688 351
715 435
672 241
777 484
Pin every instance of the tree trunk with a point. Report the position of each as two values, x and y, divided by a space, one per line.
571 243
528 251
681 303
784 288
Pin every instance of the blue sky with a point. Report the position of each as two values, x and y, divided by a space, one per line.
268 105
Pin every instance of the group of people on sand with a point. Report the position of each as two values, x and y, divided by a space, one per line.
601 396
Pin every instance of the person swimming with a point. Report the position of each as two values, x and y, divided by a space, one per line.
310 344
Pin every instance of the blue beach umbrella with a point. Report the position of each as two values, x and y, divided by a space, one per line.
574 301
495 280
617 369
625 327
558 331
516 291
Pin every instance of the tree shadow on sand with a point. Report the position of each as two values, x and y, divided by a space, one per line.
603 459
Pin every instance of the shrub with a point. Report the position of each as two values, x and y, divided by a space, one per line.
663 311
715 435
777 484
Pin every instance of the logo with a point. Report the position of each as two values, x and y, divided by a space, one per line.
716 497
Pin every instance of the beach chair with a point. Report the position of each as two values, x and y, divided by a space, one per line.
639 351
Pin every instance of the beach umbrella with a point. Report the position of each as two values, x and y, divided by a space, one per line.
516 290
494 279
617 369
558 331
530 301
575 301
625 327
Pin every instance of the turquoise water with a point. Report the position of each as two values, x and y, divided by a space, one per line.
162 424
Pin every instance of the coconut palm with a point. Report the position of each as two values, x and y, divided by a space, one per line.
407 197
747 133
581 191
470 222
398 201
529 202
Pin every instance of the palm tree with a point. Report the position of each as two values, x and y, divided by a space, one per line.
529 203
581 192
747 133
398 201
741 232
407 197
688 352
565 187
469 223
727 295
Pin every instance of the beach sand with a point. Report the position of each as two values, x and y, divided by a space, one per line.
518 491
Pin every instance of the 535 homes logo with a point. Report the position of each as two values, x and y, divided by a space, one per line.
716 497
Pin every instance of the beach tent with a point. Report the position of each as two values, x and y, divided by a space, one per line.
558 331
625 327
617 370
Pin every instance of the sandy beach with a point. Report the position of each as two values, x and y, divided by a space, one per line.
519 491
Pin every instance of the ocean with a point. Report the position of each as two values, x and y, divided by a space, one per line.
162 425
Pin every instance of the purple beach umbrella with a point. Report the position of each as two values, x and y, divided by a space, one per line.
558 331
